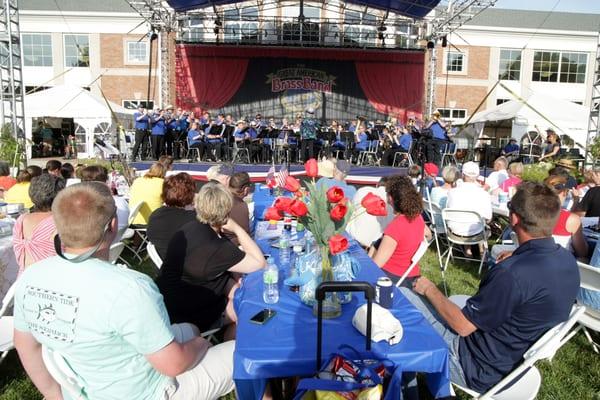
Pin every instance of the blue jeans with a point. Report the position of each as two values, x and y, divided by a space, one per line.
450 337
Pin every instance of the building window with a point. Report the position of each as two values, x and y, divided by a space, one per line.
573 67
133 104
193 30
241 25
510 65
37 50
455 62
77 51
359 28
559 67
452 113
137 52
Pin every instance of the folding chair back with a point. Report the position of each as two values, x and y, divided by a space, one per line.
453 218
527 379
590 280
415 260
7 301
115 251
589 277
62 373
154 256
134 211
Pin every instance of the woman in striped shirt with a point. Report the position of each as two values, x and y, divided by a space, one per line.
33 235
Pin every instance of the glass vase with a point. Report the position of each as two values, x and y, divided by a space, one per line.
332 307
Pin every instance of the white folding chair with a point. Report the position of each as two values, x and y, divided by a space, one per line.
115 252
449 154
477 224
415 260
590 280
369 156
154 256
62 373
6 323
192 150
400 154
527 377
436 226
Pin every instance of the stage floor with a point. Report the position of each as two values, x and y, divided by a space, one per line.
258 172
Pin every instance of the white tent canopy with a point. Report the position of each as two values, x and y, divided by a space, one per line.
89 111
544 111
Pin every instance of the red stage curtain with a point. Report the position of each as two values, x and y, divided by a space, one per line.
207 82
395 89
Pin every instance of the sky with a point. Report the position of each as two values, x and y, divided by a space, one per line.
580 6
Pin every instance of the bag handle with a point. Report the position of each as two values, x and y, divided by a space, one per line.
326 287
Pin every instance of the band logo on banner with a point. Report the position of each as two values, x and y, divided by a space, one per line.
300 88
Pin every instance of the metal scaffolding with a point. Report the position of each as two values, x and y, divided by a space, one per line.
11 69
161 19
594 122
448 18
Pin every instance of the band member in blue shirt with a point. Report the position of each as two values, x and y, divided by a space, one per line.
214 137
195 140
142 120
361 140
252 135
171 119
159 128
439 139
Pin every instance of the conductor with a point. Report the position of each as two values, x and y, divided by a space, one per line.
308 134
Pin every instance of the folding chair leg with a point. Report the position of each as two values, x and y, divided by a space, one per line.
5 353
483 258
589 338
444 269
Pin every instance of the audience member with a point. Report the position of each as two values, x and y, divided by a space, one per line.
568 231
513 306
469 196
498 176
67 171
363 227
515 171
6 181
97 173
414 173
178 196
340 172
54 167
439 194
108 322
239 185
402 237
220 173
19 192
195 278
167 161
147 189
33 235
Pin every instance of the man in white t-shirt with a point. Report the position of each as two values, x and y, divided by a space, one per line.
469 196
498 176
108 322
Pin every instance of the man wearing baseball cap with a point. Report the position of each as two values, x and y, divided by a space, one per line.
469 196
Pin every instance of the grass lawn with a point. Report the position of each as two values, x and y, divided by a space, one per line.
573 374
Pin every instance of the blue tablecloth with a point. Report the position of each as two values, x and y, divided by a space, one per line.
286 345
262 199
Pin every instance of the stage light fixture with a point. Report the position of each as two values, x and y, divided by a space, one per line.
445 41
218 22
430 45
153 35
381 28
381 35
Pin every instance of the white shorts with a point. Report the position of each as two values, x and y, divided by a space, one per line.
211 378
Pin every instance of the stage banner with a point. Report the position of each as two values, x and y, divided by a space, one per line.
281 86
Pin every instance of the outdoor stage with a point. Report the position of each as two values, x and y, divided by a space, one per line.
258 172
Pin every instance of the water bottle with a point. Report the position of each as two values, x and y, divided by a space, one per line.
296 266
270 278
284 245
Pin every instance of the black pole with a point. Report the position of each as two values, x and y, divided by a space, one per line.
153 36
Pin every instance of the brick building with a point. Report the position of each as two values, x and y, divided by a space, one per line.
528 51
88 43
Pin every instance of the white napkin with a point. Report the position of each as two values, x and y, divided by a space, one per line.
384 326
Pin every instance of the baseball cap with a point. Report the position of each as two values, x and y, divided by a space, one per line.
343 166
310 110
470 169
431 169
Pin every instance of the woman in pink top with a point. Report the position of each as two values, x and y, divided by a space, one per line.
515 170
402 237
568 231
33 235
